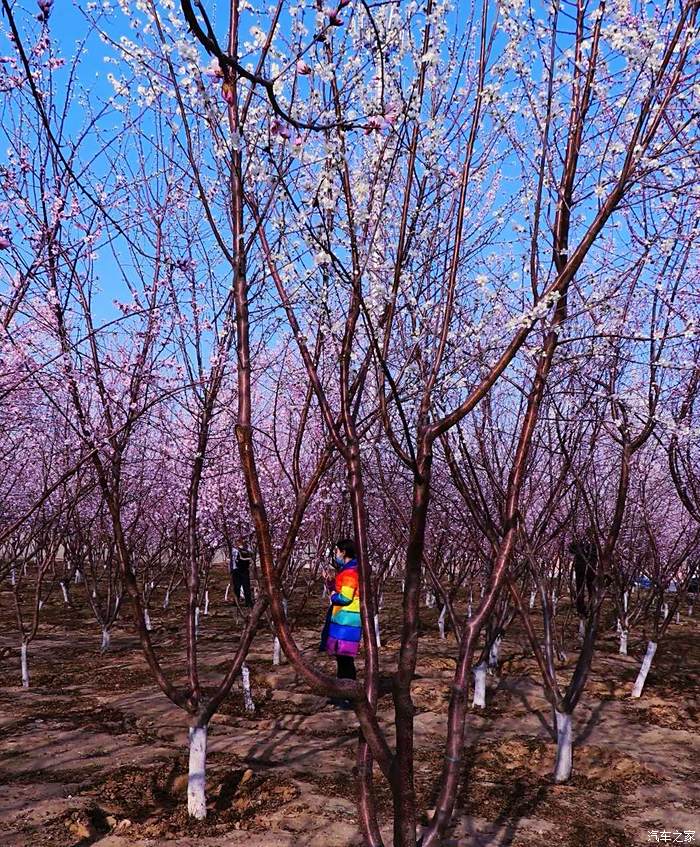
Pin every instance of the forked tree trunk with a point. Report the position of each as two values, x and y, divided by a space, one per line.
24 665
197 776
644 670
564 760
479 698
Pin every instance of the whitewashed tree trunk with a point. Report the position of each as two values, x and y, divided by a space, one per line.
494 651
532 599
581 628
619 626
554 602
479 698
41 605
206 602
78 577
196 781
644 670
66 601
166 599
13 577
24 665
678 616
276 651
196 621
623 642
482 592
441 621
690 611
105 640
228 588
469 609
377 631
429 599
147 620
247 692
562 766
625 599
664 610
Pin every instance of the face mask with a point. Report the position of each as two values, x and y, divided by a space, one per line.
339 560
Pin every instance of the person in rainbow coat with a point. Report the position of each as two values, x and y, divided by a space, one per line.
343 630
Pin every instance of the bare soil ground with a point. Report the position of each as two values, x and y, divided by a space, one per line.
94 754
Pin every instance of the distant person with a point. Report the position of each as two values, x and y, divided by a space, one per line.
343 630
239 567
585 571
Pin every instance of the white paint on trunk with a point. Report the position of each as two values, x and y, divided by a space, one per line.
623 642
554 602
228 588
429 599
532 599
247 692
166 599
494 651
479 698
644 670
41 605
13 576
105 641
678 616
625 599
206 602
376 631
664 610
482 592
276 651
147 620
581 628
690 611
562 766
469 610
441 621
78 577
25 665
65 593
196 781
94 594
619 626
196 621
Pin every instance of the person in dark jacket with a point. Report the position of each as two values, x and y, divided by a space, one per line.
241 560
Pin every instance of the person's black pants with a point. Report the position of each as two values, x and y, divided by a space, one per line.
346 667
241 581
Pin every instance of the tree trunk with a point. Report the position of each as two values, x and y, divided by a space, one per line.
228 587
532 600
196 781
25 666
479 698
105 640
66 601
563 764
644 670
441 621
147 620
623 642
206 602
276 651
247 693
376 630
581 628
494 651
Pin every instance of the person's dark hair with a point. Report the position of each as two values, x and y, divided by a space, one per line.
346 547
